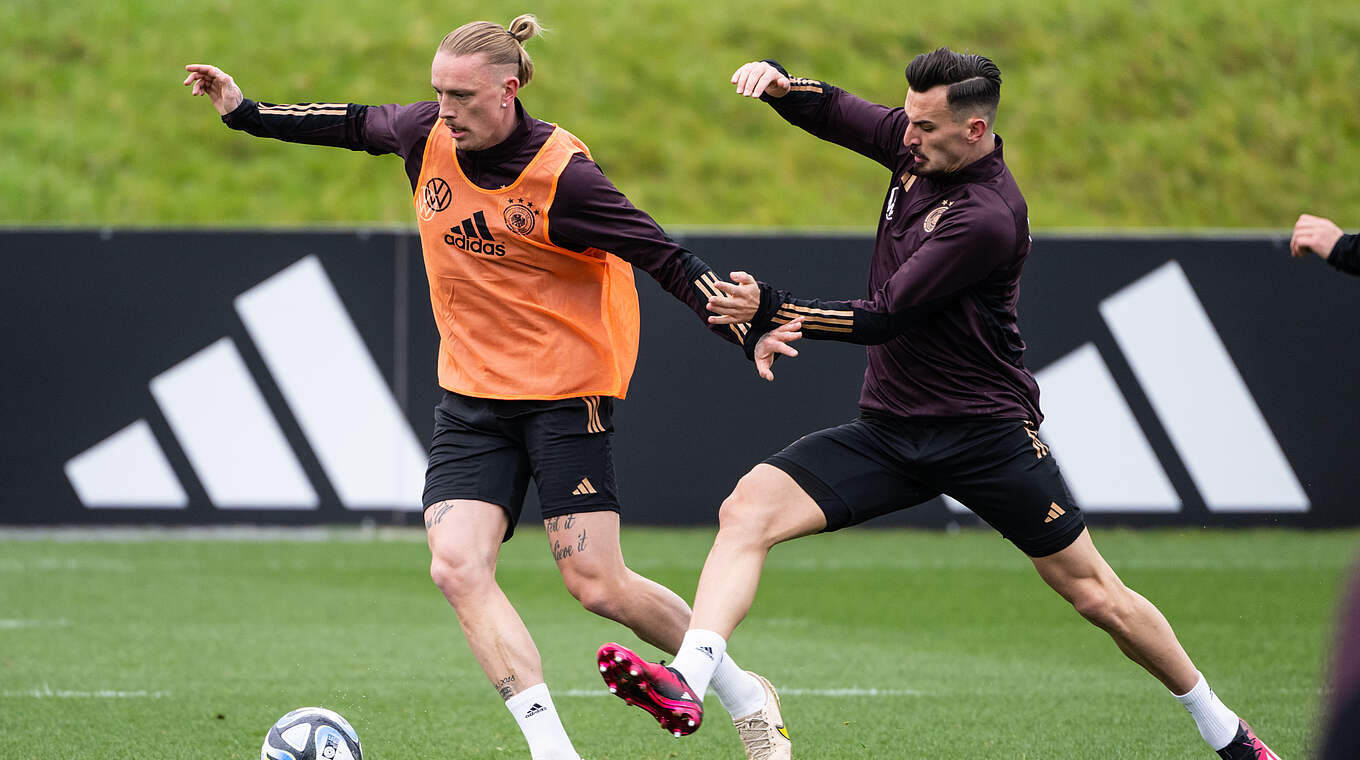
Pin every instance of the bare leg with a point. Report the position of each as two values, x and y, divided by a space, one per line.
1083 578
586 547
465 539
766 508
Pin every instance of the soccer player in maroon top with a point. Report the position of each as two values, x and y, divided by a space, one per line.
947 404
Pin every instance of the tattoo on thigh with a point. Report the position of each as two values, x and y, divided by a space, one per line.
507 686
557 523
435 515
561 552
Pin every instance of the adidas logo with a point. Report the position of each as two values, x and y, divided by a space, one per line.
583 488
1054 512
535 710
474 237
1182 371
233 442
706 650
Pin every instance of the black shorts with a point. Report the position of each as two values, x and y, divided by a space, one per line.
486 449
999 469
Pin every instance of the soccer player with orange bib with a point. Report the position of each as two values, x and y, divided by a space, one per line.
529 251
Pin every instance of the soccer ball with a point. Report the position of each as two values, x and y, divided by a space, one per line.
311 733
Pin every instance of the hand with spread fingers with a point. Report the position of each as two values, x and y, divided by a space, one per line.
217 84
776 342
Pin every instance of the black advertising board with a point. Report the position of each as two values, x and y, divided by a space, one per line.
202 376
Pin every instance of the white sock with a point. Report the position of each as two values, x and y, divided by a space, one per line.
699 655
740 693
1217 724
537 718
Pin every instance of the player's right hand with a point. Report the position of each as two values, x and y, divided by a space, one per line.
217 84
758 77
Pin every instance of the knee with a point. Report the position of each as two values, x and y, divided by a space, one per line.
457 577
746 516
1104 604
597 595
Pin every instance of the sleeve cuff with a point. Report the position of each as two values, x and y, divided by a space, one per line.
231 117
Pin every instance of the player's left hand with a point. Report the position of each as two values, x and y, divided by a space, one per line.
1315 234
739 300
776 342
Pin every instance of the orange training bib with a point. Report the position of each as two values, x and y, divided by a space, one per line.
518 317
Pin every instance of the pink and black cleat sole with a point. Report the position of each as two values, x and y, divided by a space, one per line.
627 676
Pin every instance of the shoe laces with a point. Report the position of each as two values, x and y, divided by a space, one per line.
754 732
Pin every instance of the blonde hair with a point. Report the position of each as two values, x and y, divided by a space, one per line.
502 46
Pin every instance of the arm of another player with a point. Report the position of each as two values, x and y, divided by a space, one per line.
1314 234
1323 237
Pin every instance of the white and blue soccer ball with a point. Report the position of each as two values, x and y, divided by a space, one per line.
311 733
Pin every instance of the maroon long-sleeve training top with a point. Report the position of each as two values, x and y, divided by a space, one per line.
944 279
587 212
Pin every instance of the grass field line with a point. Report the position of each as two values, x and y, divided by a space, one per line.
834 693
11 624
47 692
1000 563
64 564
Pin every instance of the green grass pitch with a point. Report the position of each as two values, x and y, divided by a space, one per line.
168 645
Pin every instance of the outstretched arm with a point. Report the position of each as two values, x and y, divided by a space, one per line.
375 129
588 213
963 253
828 112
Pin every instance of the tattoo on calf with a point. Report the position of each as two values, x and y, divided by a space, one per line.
507 687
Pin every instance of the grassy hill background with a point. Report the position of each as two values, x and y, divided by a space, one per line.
1218 113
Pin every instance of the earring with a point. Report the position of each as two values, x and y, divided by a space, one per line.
505 105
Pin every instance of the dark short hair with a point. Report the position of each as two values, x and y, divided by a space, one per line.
974 81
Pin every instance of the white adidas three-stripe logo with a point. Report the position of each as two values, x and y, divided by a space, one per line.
236 447
371 457
1199 398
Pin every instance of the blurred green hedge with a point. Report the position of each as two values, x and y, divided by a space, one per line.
1120 114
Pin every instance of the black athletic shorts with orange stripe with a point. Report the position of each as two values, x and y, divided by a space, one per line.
878 464
487 449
